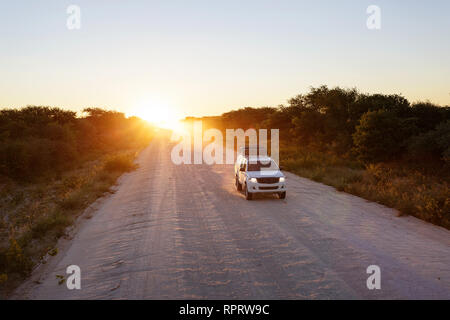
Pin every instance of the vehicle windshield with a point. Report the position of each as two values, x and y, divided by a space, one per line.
262 165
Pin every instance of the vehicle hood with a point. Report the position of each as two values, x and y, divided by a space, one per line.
265 174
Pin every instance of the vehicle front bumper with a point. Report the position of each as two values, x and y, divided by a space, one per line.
256 187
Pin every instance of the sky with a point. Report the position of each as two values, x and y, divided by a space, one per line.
198 58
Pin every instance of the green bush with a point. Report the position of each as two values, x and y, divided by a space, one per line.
122 163
381 136
435 143
13 260
55 222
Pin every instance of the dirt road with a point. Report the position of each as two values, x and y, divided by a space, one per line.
185 232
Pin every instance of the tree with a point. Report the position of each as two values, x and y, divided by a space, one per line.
434 143
381 136
429 115
365 102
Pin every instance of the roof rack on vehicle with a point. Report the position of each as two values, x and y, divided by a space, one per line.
253 151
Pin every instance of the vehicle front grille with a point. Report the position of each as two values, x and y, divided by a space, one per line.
268 180
268 188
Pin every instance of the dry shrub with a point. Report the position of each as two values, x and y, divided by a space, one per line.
120 163
396 185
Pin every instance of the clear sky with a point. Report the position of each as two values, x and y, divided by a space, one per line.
207 57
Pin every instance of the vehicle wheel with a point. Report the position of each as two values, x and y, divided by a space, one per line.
238 185
248 195
282 195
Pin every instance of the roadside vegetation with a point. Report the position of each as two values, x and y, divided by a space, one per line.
379 147
53 165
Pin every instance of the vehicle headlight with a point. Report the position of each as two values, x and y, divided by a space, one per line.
282 179
254 180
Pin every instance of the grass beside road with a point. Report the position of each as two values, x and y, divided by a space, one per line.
35 215
397 185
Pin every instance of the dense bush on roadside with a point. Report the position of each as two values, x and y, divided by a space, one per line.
121 163
381 136
434 143
36 142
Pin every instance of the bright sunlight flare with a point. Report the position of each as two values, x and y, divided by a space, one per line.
159 113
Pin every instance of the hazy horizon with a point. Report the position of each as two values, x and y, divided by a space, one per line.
203 59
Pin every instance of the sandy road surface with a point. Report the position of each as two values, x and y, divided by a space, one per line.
185 232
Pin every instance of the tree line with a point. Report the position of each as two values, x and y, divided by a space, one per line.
39 141
370 127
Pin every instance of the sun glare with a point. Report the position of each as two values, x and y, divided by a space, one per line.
158 113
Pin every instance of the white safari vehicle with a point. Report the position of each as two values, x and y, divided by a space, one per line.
258 174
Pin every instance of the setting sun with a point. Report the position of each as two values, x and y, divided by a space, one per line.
159 113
